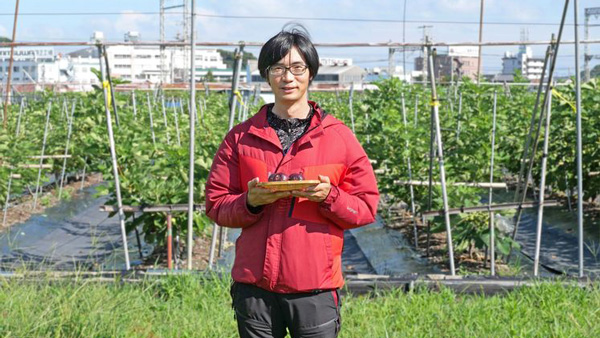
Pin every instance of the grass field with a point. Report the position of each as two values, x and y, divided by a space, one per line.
192 306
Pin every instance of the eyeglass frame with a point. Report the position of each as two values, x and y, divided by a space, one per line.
287 69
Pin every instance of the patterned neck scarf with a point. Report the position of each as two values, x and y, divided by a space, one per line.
288 130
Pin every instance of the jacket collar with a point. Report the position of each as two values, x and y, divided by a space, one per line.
260 127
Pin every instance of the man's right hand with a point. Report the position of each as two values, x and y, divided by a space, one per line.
258 196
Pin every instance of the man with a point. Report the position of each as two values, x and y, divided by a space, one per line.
287 269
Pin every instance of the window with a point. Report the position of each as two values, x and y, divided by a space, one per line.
122 56
122 66
15 68
143 56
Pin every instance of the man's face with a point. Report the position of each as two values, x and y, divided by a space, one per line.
287 87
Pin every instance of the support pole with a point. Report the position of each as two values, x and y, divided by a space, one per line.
350 99
37 185
164 111
192 111
169 242
232 103
492 246
408 164
133 102
480 39
64 165
151 120
438 136
540 215
112 89
113 155
579 146
532 124
10 176
176 116
554 48
10 66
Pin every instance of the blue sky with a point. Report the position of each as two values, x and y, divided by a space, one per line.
142 15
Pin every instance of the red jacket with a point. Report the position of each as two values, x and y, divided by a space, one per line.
292 245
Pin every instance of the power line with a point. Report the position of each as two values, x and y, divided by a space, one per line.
264 17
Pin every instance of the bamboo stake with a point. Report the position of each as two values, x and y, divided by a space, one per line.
37 185
64 166
438 133
408 164
540 216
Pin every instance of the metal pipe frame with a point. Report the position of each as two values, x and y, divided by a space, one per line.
409 167
579 145
113 155
483 208
554 50
540 215
192 112
492 246
438 134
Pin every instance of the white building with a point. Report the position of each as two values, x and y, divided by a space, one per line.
41 65
143 63
31 65
523 61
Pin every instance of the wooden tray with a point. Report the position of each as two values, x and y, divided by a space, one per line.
288 185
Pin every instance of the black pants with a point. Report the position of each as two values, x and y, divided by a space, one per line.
261 313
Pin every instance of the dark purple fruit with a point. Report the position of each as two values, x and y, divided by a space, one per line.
278 177
296 177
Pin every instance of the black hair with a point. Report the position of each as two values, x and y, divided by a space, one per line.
292 35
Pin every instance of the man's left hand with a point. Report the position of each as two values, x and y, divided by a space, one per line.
316 193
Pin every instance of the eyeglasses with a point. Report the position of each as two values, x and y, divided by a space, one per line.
279 70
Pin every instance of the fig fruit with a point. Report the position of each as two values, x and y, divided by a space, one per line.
278 177
296 177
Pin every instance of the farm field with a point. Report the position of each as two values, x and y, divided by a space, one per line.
392 123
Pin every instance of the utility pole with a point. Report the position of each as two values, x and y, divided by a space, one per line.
589 12
480 39
404 41
162 40
426 40
10 66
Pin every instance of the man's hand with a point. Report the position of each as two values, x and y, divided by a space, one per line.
258 196
317 193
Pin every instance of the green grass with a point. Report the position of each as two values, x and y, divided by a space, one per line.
192 306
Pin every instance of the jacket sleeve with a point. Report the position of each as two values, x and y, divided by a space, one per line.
353 202
225 198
